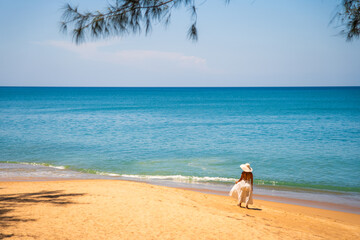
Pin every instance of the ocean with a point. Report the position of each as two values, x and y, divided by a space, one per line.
294 138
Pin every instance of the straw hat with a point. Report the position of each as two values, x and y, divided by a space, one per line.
246 167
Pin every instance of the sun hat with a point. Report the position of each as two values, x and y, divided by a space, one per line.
246 167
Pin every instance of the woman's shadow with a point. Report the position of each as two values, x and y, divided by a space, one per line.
250 208
256 209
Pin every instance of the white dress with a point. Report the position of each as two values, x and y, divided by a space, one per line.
242 191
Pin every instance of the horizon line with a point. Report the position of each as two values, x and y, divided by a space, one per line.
305 86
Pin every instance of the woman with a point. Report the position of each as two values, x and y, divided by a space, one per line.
243 189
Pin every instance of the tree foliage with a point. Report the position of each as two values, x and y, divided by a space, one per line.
349 16
125 17
133 16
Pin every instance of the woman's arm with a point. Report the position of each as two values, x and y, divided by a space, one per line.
242 175
252 182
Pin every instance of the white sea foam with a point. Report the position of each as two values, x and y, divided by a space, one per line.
180 178
108 174
57 167
44 165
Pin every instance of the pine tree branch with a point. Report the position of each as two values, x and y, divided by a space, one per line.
131 16
349 18
124 17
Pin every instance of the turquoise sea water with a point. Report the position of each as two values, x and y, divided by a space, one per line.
294 137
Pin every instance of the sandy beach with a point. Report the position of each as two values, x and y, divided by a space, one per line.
111 209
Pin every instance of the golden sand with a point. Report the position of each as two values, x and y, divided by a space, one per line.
112 209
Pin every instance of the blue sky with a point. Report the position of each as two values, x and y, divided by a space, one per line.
245 43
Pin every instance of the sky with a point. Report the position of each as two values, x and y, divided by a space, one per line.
241 44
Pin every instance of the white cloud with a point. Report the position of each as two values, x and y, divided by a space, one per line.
140 59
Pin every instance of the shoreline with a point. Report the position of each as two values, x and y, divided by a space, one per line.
113 209
323 199
193 187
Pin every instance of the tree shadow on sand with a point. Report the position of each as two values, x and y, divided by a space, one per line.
9 203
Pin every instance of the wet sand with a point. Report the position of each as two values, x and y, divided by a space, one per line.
301 202
113 209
